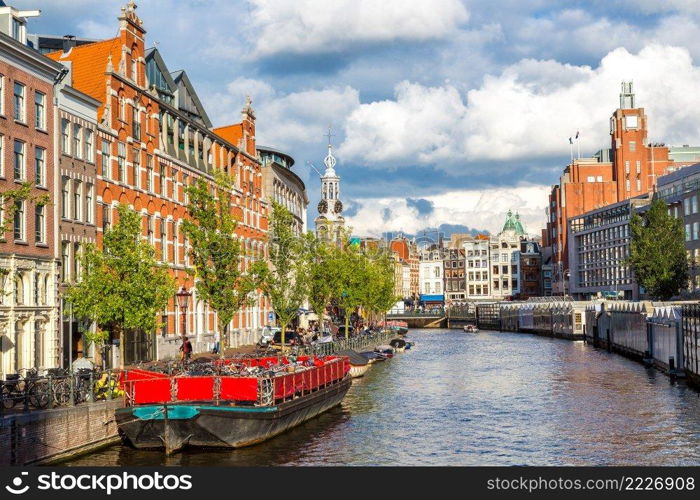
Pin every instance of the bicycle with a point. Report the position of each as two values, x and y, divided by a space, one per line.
31 389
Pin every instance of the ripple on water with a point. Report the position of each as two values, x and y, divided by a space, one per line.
486 399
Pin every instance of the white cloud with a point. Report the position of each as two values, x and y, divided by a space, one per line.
294 122
526 112
478 209
322 26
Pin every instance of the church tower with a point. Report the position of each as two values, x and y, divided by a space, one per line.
330 220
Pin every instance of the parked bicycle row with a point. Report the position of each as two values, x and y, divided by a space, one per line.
57 387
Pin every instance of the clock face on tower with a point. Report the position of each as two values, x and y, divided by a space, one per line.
322 206
338 207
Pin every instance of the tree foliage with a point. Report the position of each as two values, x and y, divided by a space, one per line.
323 273
122 288
657 251
285 277
216 251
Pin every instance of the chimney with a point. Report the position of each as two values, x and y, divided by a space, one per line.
68 43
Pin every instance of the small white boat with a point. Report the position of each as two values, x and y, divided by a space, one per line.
358 370
471 329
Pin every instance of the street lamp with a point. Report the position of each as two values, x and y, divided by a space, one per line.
183 298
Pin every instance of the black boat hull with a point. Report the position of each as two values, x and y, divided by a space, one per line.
207 425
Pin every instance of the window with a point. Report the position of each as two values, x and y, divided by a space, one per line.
65 136
633 146
163 241
65 260
639 185
39 110
2 94
18 225
121 161
77 200
77 141
40 166
106 160
89 152
149 173
89 207
686 206
17 29
19 102
627 185
136 160
76 262
438 287
19 160
591 178
65 197
696 229
687 232
106 217
627 167
136 120
150 229
638 165
600 178
163 191
2 153
40 224
694 203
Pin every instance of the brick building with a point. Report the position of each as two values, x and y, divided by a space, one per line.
531 276
154 139
455 282
629 168
407 250
76 184
28 268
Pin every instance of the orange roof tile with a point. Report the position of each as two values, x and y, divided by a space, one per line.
231 133
89 62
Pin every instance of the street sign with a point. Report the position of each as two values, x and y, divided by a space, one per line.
270 317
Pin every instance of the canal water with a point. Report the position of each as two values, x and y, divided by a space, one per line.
485 399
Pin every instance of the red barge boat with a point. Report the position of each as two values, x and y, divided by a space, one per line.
250 401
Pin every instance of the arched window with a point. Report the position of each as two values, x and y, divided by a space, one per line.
19 290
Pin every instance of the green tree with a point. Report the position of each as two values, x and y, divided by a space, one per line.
284 278
215 250
379 291
353 280
323 273
657 251
122 288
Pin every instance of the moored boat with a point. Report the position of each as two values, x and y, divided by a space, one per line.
397 326
250 401
471 329
399 345
358 364
385 350
373 356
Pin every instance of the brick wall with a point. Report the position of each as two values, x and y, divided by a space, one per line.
47 435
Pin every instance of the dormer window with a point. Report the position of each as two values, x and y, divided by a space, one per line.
17 29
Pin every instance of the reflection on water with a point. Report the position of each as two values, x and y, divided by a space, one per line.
486 399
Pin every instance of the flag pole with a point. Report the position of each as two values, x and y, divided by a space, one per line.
578 145
571 146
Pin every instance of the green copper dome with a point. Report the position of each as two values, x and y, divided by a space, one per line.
513 224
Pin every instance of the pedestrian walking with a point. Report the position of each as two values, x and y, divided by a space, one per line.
185 351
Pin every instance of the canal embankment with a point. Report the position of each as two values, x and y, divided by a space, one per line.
665 335
37 437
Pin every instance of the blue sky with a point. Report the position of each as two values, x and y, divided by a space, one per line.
445 111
